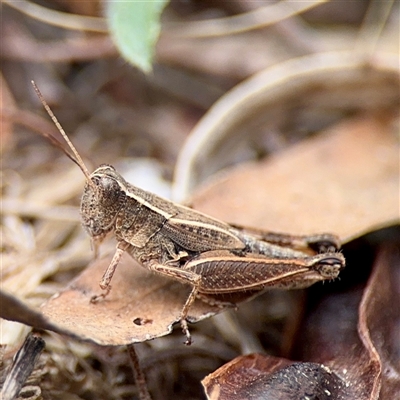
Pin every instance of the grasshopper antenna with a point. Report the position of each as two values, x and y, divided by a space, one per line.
78 160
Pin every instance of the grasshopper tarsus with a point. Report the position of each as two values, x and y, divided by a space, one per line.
186 332
324 244
97 297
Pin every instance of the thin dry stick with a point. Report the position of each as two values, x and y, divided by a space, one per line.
138 374
22 366
58 18
371 30
255 19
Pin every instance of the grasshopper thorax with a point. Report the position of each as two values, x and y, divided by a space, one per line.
101 201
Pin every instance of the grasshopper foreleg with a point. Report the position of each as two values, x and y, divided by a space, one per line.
108 274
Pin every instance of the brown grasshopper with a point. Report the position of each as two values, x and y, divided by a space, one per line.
221 262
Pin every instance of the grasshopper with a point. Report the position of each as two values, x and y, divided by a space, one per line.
223 263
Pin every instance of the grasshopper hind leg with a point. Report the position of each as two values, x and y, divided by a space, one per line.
187 277
318 243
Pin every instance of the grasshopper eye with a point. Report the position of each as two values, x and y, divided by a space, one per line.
111 192
108 191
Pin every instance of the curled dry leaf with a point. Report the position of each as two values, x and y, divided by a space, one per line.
141 306
330 337
281 103
379 321
350 171
352 339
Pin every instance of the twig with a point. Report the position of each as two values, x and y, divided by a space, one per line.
138 374
371 29
22 366
58 18
255 19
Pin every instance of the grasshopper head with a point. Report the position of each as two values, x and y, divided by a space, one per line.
101 201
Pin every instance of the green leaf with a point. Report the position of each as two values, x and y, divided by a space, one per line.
135 27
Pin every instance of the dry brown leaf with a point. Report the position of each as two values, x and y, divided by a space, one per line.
257 376
379 322
239 374
345 181
280 105
141 306
330 336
